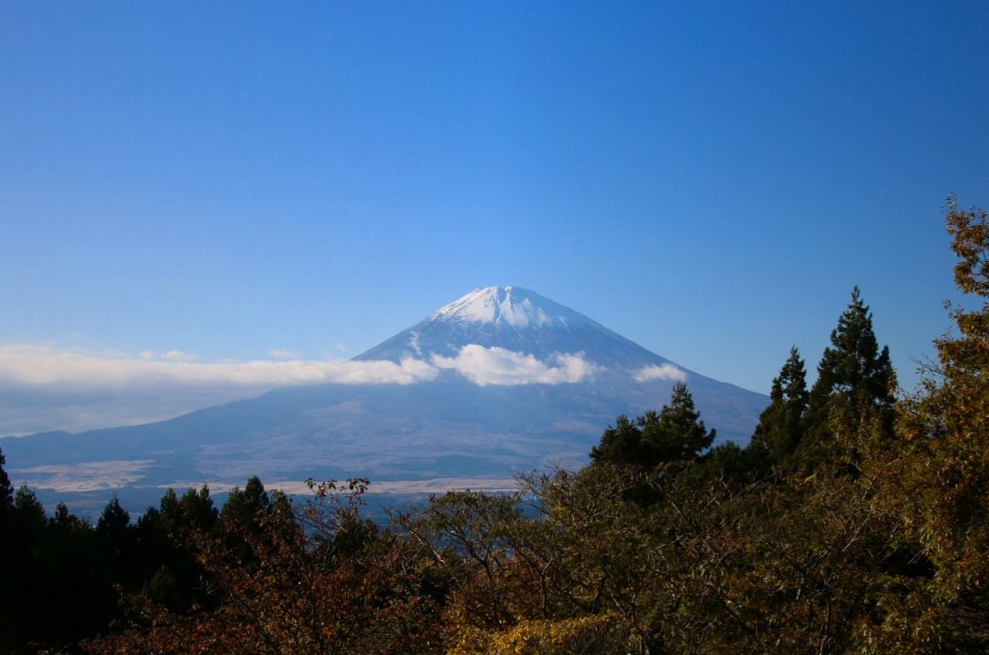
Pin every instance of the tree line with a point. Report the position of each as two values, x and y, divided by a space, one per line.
853 521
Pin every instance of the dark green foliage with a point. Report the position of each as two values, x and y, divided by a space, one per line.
176 519
164 534
675 434
725 464
622 444
245 507
855 390
113 525
854 366
196 510
28 516
242 517
70 558
6 491
56 579
783 423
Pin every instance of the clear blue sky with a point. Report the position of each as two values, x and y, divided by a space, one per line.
709 179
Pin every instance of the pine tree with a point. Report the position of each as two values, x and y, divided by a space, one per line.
6 491
678 434
675 433
29 514
782 424
114 523
6 507
854 388
245 507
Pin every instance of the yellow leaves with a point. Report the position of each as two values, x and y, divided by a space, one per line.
970 232
597 634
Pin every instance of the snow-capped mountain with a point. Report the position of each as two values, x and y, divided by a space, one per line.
519 382
517 320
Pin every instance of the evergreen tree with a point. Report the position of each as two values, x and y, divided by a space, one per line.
675 433
171 574
855 386
245 507
6 509
22 596
113 525
28 514
241 521
679 434
176 518
72 574
197 509
782 424
6 491
621 444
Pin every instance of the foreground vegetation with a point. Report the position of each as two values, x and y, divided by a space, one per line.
852 522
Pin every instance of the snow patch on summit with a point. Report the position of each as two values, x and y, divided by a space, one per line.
518 308
522 314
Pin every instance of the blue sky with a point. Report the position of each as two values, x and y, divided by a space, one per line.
242 181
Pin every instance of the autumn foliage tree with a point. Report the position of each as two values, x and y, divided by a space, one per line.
281 588
945 495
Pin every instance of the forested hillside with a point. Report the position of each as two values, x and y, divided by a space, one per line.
855 520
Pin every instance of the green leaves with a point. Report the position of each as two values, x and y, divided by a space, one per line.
674 434
782 425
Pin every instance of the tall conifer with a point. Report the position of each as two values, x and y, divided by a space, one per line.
675 433
782 424
855 384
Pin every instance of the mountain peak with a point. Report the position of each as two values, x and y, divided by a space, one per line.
513 319
507 306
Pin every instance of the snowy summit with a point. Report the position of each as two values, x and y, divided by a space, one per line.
513 319
513 306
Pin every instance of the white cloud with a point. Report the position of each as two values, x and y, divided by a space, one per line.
51 367
414 342
659 372
280 353
178 356
498 366
47 388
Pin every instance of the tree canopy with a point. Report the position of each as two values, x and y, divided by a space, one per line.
675 433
